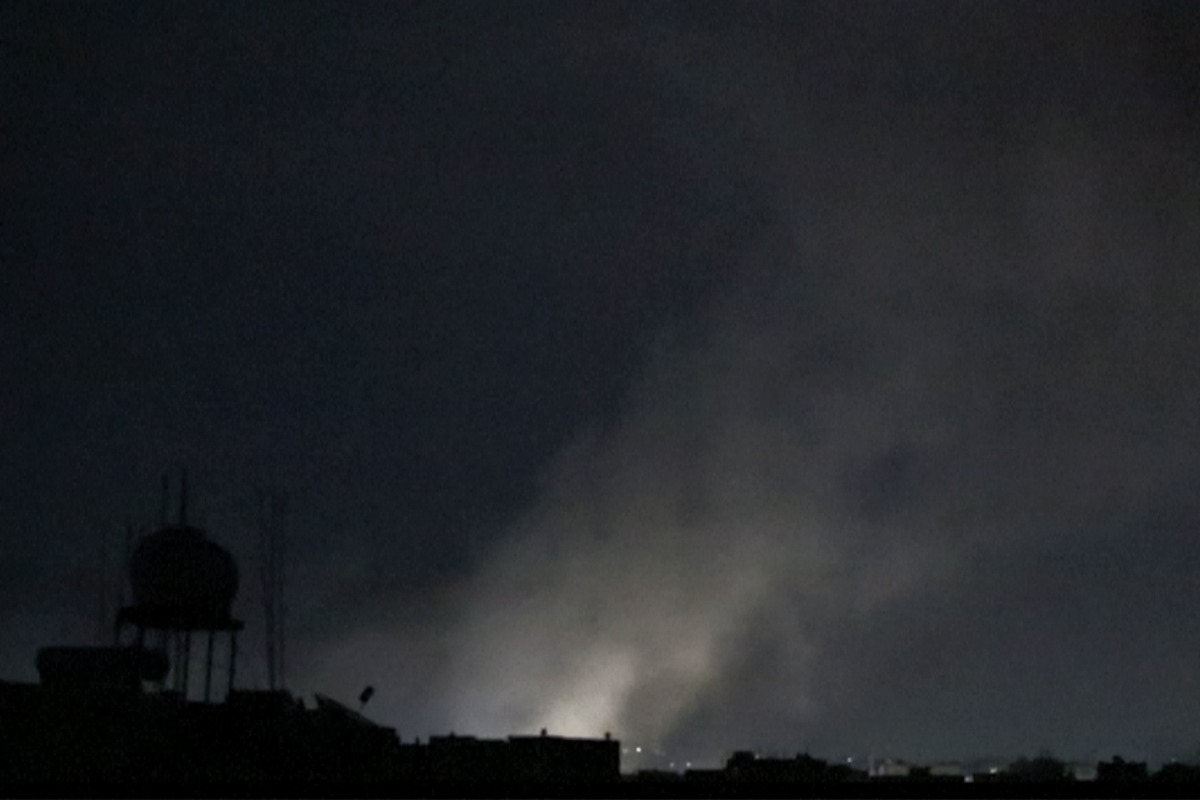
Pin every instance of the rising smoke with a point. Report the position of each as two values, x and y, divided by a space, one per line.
953 344
866 502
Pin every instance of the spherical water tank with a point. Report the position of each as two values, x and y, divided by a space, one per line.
179 569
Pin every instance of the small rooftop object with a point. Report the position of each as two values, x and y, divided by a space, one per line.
333 709
93 668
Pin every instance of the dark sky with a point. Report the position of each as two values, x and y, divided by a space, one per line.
718 374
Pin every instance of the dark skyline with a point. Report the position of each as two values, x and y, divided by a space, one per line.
776 375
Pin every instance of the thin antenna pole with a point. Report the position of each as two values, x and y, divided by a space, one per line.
183 489
102 589
122 580
265 563
166 491
272 510
279 586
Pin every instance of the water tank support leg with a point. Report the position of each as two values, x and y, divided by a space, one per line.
208 664
187 662
232 658
172 647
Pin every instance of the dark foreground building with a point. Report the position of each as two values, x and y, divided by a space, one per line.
131 715
90 733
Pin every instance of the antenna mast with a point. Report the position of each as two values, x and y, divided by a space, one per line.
271 510
183 497
281 607
162 514
126 555
103 589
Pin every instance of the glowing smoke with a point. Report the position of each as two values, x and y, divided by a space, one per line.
866 419
948 347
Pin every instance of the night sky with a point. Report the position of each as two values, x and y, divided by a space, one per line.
781 376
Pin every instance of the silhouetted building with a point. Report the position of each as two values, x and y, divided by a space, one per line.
467 759
1177 773
746 766
556 758
1043 769
1121 770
